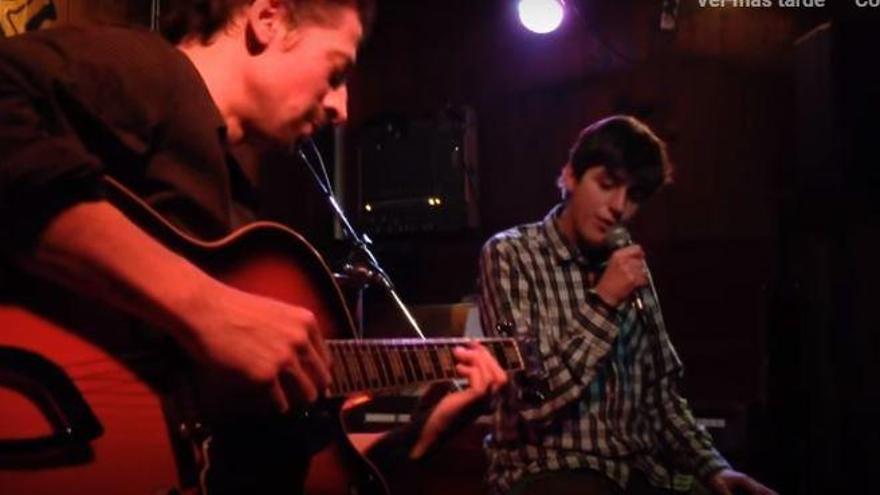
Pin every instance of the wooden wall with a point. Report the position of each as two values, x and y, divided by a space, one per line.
719 89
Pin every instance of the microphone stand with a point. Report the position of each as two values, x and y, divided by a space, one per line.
365 272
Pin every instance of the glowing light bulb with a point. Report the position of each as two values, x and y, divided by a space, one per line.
540 16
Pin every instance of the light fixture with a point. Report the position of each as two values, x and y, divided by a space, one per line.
541 16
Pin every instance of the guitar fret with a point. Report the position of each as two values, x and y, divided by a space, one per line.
403 355
339 382
397 366
338 385
424 362
385 363
376 356
351 379
365 365
380 364
412 361
400 365
417 364
435 360
369 368
349 384
355 366
372 374
452 372
447 361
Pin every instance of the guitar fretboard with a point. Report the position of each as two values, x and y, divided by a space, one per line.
376 364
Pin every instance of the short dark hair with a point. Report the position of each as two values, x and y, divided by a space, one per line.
205 18
628 149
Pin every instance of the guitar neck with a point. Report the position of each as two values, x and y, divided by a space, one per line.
381 364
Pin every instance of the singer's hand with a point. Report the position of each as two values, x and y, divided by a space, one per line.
728 481
624 273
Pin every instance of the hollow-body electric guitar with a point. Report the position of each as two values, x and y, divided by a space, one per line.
92 401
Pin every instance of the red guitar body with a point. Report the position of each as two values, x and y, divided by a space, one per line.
93 402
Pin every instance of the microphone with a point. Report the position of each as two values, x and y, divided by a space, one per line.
616 238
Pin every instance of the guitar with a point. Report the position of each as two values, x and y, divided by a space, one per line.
93 401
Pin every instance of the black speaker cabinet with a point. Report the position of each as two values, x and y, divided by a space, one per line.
418 175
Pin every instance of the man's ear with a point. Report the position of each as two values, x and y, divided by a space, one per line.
266 20
567 180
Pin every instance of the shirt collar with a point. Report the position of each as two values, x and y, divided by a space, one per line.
564 250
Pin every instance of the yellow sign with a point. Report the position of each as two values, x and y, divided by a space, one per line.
18 16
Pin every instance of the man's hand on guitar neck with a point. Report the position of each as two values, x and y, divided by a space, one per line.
94 249
485 379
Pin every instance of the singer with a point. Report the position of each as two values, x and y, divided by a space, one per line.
598 412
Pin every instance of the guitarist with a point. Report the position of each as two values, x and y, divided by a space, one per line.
79 103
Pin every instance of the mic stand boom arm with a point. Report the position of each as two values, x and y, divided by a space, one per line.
360 243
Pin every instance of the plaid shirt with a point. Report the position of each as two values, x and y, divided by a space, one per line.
599 389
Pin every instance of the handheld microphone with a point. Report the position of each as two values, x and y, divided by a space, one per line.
616 238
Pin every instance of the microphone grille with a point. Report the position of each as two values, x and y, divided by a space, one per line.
617 237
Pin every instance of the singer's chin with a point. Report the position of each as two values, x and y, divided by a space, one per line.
591 239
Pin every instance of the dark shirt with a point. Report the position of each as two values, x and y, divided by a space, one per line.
76 103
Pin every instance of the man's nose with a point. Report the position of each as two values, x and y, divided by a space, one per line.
618 202
336 105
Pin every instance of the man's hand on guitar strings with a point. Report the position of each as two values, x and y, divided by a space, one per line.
264 343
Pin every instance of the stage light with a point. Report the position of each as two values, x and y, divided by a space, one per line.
540 16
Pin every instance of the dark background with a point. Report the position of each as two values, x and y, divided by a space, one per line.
763 249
